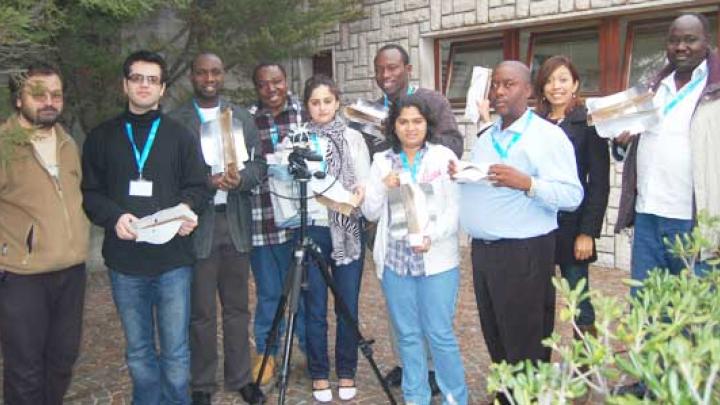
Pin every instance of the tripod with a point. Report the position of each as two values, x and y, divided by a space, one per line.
306 249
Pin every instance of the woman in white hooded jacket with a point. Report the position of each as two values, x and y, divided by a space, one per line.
419 273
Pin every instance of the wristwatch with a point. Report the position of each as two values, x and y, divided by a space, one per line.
531 191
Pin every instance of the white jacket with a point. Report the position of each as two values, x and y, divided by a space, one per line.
444 251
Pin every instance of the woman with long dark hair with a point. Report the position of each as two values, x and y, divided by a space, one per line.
339 237
419 273
557 87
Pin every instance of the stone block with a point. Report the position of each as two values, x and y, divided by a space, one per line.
600 3
332 38
447 7
614 197
582 4
344 36
503 13
452 21
345 55
389 7
375 18
482 11
543 7
611 216
414 39
605 244
496 3
413 4
435 14
354 40
362 51
410 17
566 5
460 6
522 8
469 18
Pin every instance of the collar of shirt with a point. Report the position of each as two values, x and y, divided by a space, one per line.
292 105
516 127
669 81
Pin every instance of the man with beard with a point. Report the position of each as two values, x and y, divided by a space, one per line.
512 217
43 244
222 243
136 164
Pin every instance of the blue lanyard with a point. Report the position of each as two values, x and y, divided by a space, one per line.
318 150
140 160
683 93
274 134
386 102
416 164
504 152
199 113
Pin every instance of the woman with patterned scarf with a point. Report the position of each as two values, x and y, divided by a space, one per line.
345 158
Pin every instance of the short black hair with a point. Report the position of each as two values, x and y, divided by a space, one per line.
16 81
388 47
205 54
316 81
146 56
263 65
703 21
397 107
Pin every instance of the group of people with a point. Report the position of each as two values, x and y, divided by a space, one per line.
541 204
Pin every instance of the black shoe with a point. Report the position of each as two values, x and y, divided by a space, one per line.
638 390
434 388
201 398
394 377
252 394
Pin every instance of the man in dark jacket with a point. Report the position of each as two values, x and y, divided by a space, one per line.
222 243
134 165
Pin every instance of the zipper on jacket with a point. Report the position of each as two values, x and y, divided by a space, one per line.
58 189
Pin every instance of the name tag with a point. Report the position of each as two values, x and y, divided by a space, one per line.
141 188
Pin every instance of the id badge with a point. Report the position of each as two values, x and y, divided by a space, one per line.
141 188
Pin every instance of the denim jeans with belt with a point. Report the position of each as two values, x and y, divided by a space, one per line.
347 280
422 309
159 375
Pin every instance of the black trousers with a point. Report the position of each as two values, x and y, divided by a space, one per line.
224 273
40 333
515 296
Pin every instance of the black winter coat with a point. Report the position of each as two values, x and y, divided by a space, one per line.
593 165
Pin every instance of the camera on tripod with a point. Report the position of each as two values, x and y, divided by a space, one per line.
298 166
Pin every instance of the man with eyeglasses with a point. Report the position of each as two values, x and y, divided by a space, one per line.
135 165
43 243
222 240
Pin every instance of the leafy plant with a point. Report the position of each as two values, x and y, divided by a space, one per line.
667 336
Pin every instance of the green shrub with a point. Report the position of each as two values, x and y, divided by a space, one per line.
667 336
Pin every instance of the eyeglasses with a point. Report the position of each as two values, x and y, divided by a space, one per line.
137 78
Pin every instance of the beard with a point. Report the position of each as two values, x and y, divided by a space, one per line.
43 118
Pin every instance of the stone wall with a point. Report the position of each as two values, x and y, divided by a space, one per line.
415 24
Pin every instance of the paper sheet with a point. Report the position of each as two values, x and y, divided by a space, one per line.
162 226
478 90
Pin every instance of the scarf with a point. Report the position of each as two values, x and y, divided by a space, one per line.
344 230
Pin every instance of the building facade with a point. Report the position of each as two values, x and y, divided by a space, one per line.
615 44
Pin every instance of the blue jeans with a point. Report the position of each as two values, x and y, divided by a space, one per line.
573 273
270 265
422 309
347 281
159 375
649 250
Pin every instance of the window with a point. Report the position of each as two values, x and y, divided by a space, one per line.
322 62
461 59
594 45
580 46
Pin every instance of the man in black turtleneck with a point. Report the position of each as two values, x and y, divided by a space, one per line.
135 165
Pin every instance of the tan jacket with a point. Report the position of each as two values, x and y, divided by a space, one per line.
42 224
